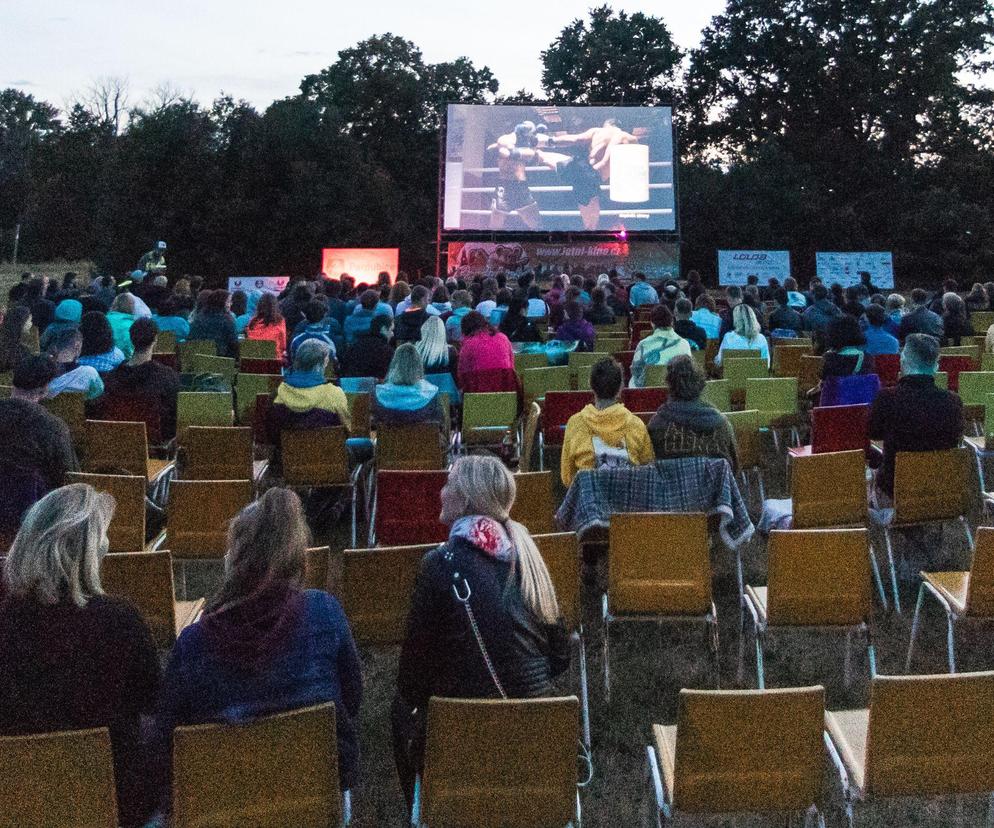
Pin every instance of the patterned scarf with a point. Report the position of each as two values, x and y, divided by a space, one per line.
485 533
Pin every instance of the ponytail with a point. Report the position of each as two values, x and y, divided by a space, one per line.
537 590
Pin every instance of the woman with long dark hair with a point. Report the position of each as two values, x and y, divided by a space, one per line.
98 349
14 331
268 323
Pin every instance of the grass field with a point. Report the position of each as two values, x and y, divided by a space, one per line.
10 274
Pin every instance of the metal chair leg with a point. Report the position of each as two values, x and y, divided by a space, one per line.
965 523
871 653
584 692
893 570
877 579
606 644
914 628
760 670
762 487
714 645
847 661
951 641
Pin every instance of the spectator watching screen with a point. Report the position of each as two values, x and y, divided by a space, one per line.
566 168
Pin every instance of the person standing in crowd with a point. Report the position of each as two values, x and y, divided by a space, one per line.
265 643
685 425
785 321
516 325
268 323
705 316
662 345
72 658
522 642
370 354
878 339
744 336
955 320
822 311
217 324
642 293
14 336
684 325
576 328
604 434
154 262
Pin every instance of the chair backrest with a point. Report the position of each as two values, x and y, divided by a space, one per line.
819 577
376 588
787 359
537 382
559 406
888 368
839 428
611 345
578 358
116 448
810 374
828 490
526 361
64 779
227 367
625 358
486 417
500 764
737 371
776 395
192 347
202 408
276 771
146 580
746 424
655 376
534 505
317 567
740 353
409 447
749 750
658 564
126 532
408 504
980 593
272 366
165 343
218 453
932 485
315 456
718 393
931 735
529 437
644 399
257 349
133 408
360 413
982 320
971 350
70 407
561 553
199 512
247 388
858 389
974 386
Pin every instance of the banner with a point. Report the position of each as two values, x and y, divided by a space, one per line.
736 266
657 260
845 268
273 284
364 264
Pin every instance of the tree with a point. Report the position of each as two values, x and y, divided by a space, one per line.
106 99
616 58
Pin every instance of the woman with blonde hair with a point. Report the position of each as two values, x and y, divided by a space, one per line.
264 643
484 619
72 658
406 397
745 335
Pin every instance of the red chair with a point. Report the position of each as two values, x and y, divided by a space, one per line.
169 360
261 412
133 408
888 368
625 358
952 365
836 428
637 330
406 506
260 366
644 399
558 407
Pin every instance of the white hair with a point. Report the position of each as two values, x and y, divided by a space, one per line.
433 347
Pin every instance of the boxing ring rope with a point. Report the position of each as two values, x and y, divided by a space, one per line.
630 213
559 188
477 170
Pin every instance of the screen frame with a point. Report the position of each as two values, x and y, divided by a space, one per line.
444 235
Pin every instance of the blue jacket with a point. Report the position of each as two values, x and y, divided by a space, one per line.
879 341
358 323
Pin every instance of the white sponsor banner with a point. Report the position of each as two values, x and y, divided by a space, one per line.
735 266
273 284
845 268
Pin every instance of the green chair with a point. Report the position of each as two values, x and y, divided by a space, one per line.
487 418
583 377
247 388
738 371
987 362
718 393
165 343
942 380
257 349
775 398
187 350
584 359
227 367
655 376
535 359
746 425
202 408
537 381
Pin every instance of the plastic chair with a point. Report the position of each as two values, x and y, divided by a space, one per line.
226 367
275 771
922 736
126 532
318 458
740 751
409 447
193 347
719 394
165 343
537 382
247 388
973 389
810 372
58 779
70 407
317 567
558 408
888 368
659 569
644 399
360 413
220 453
376 588
962 595
858 389
499 764
529 438
836 428
971 350
406 507
488 418
121 448
746 426
534 505
817 578
578 359
982 320
202 408
257 349
146 580
929 487
951 366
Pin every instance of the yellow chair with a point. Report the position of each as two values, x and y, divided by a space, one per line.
534 505
360 413
191 348
115 448
226 367
250 386
70 407
740 751
409 447
787 359
277 771
126 532
929 487
922 736
376 588
817 578
962 595
146 580
745 424
488 418
775 398
257 349
202 408
659 569
499 764
220 453
529 438
537 381
738 371
718 393
317 567
58 779
810 375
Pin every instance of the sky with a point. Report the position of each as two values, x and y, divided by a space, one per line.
259 50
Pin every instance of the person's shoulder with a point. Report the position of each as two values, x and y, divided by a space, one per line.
116 613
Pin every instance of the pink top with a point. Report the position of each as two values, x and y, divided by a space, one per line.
483 352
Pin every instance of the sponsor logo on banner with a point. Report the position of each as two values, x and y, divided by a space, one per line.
272 284
736 266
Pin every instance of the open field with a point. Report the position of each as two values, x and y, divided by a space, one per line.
10 274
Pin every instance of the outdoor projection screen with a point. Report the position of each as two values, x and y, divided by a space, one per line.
558 168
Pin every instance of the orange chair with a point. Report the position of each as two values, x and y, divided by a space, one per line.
534 505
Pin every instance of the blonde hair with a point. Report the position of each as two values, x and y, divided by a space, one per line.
406 367
124 303
486 487
267 542
58 548
745 323
433 347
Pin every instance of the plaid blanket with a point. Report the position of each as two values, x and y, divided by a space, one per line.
686 484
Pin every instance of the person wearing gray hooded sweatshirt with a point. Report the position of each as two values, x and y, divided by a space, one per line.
686 426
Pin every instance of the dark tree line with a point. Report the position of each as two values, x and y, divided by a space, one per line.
806 125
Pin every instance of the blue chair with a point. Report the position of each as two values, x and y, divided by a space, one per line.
858 389
445 384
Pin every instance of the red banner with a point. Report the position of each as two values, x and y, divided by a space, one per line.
363 264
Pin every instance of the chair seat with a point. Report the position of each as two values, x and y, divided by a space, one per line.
665 736
758 596
154 468
848 729
799 451
187 612
953 586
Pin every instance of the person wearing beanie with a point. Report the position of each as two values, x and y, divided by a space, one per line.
67 316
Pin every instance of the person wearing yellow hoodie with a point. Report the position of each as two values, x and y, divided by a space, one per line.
604 433
305 399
